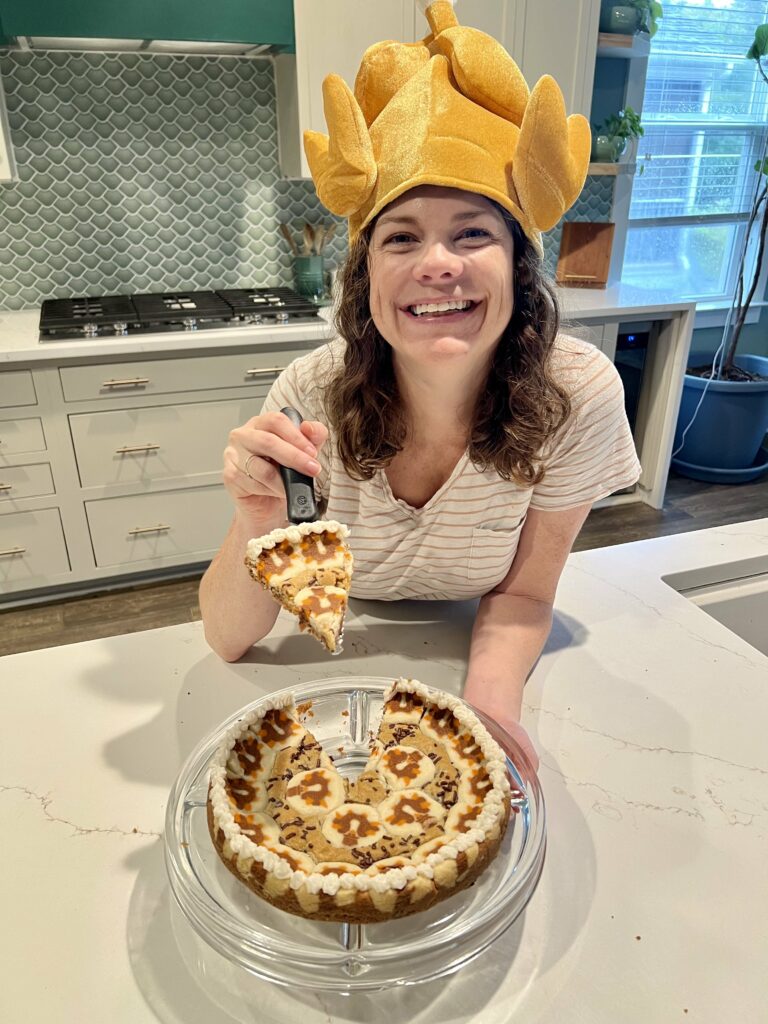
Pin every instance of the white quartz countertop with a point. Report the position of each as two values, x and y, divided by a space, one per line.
620 300
650 719
19 340
19 331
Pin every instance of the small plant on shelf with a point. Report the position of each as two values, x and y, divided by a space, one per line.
629 16
650 13
609 139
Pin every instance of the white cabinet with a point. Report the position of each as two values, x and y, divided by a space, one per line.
32 549
156 530
21 435
161 442
16 388
560 39
119 471
7 162
543 36
330 37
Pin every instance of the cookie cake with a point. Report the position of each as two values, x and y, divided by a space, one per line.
421 822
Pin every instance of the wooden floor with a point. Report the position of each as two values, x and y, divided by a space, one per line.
690 505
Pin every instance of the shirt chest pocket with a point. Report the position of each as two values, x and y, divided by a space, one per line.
492 552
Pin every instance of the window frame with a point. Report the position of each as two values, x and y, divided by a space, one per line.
711 311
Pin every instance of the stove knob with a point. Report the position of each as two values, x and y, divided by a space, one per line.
255 318
190 323
91 330
120 329
282 318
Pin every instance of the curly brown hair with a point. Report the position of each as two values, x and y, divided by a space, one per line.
520 408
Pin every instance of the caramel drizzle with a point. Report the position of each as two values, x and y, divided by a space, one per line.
403 765
409 810
467 747
464 821
312 789
313 542
250 828
354 826
320 601
404 702
277 727
479 782
241 792
250 754
442 722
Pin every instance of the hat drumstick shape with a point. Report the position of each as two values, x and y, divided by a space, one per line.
341 163
552 155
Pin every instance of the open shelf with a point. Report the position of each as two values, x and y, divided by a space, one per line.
612 169
611 45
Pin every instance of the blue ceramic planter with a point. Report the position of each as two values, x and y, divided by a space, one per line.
730 426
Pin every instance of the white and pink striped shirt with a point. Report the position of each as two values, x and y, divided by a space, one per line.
462 542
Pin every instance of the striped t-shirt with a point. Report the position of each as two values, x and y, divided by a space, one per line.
462 542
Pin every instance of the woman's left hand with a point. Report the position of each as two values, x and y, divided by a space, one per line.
513 728
523 740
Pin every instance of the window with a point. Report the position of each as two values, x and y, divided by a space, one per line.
705 113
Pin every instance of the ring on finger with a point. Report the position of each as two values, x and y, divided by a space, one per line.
246 470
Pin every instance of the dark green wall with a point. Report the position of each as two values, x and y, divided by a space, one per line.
236 21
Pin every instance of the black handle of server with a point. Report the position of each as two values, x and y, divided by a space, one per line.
299 488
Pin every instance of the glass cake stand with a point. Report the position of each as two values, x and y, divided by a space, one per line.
288 950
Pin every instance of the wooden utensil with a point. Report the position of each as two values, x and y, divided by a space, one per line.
309 239
319 235
328 234
289 239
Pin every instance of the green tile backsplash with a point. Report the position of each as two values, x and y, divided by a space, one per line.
148 172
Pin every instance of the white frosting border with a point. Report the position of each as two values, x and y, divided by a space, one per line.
396 878
293 533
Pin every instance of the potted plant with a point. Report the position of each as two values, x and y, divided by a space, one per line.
723 416
632 16
609 139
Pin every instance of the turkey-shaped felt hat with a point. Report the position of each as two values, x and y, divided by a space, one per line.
451 110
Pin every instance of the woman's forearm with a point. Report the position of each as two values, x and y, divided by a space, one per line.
236 612
508 636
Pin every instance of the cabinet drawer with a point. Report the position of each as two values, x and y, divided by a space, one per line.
17 388
25 481
21 436
165 376
32 547
172 526
159 442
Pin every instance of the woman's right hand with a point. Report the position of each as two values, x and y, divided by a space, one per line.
265 443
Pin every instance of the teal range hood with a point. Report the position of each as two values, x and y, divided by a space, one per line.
238 25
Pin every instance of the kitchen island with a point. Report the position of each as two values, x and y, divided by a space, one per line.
648 714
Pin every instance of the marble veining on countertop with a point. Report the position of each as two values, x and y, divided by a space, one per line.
649 717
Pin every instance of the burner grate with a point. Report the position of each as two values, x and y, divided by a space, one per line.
172 307
177 310
268 300
107 309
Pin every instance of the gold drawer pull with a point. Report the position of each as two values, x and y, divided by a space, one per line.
264 371
131 382
131 449
160 528
12 551
5 487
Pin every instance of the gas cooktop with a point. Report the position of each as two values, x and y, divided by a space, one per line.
119 316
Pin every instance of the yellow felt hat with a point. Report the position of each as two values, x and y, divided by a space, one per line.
452 110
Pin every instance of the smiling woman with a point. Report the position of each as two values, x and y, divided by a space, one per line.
450 425
435 244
